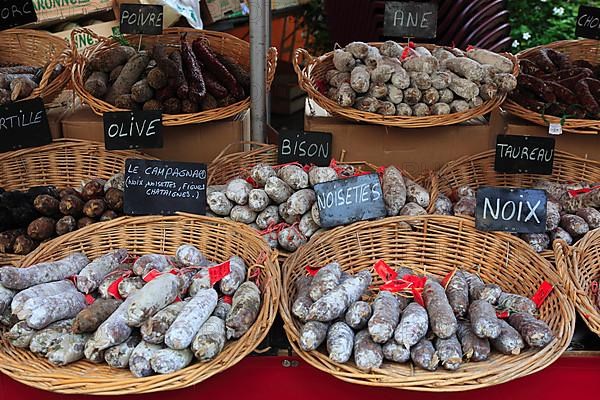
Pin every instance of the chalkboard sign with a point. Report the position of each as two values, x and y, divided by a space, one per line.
588 23
511 210
524 154
350 200
133 130
141 19
410 19
24 124
16 12
164 187
305 148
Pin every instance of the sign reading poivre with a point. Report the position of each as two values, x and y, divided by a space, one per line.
141 19
410 19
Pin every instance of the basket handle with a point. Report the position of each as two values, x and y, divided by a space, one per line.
563 254
230 145
272 57
301 56
85 31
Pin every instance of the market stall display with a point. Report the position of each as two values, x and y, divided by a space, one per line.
581 270
32 64
437 247
570 215
559 84
191 76
62 175
155 261
388 84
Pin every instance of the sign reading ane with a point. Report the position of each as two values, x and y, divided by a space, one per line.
350 200
141 19
306 148
24 124
410 19
524 154
587 24
133 130
511 210
16 12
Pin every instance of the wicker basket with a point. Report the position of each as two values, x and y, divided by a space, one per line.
65 162
39 49
478 170
221 43
581 268
580 49
313 73
216 238
437 244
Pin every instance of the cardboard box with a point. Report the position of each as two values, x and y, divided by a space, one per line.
84 40
279 4
193 143
414 150
50 11
217 10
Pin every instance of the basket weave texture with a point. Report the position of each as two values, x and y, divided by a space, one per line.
221 43
311 76
587 50
216 238
437 245
38 49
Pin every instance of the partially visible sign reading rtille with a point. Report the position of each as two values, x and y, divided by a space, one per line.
511 210
164 187
350 200
413 19
24 124
306 148
16 12
141 19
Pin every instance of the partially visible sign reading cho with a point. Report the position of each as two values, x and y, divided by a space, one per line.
133 130
164 187
511 210
587 24
306 148
141 19
24 124
524 154
16 12
410 19
350 200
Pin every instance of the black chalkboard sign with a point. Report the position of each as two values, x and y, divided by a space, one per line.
16 12
524 154
306 148
410 19
141 19
164 187
587 24
350 200
511 210
24 124
133 130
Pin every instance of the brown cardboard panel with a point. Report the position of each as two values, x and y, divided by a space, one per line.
193 143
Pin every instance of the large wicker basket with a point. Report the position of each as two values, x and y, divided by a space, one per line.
216 238
437 244
580 266
312 76
578 49
221 43
478 170
65 162
38 49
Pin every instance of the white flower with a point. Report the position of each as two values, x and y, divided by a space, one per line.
543 1
526 36
515 43
558 11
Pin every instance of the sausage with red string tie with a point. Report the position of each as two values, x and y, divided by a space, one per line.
193 72
210 61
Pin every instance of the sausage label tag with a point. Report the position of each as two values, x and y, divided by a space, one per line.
16 12
511 210
555 129
385 271
587 24
219 272
305 148
24 124
312 271
543 292
417 19
524 154
124 130
141 19
113 289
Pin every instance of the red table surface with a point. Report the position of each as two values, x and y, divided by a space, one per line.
267 378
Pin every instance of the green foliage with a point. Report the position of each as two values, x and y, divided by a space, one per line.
316 31
539 22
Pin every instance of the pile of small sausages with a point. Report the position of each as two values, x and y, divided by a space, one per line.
457 321
44 212
19 81
150 314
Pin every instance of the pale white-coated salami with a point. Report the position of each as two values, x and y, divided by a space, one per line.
222 309
307 225
278 190
159 262
312 334
244 310
42 290
238 191
230 283
516 303
457 292
318 175
484 321
55 308
340 342
118 356
474 348
139 361
301 201
368 355
42 341
69 349
242 214
90 277
6 297
189 256
258 200
325 280
193 315
260 173
423 354
413 325
358 314
441 317
20 334
291 238
395 352
167 361
23 278
153 329
153 297
294 176
535 332
509 341
268 217
210 339
385 318
219 203
416 193
394 190
130 285
449 352
302 302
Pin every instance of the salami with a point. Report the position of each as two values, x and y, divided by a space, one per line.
159 262
413 325
6 297
340 342
424 355
90 318
200 281
385 318
473 347
368 355
8 319
480 291
516 303
69 349
509 341
230 283
156 295
121 271
42 341
90 277
23 278
484 322
457 292
167 361
130 285
193 315
358 314
139 361
54 308
118 356
222 309
395 352
449 352
244 310
43 290
535 332
154 328
312 334
210 340
325 280
189 255
20 334
441 317
303 301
